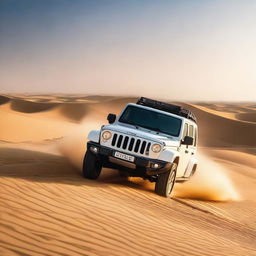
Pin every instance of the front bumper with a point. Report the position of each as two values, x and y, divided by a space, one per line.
141 167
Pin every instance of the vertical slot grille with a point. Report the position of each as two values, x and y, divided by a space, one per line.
126 139
119 142
131 144
113 143
148 147
142 149
134 145
137 145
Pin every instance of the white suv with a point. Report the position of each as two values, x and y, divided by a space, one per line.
150 139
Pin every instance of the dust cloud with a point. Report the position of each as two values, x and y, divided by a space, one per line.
73 146
211 183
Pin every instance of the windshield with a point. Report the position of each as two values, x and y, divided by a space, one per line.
151 120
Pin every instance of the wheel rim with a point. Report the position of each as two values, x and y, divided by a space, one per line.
170 182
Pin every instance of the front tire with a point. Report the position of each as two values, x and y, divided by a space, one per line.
165 182
91 166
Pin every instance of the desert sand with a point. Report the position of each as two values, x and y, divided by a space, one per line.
47 208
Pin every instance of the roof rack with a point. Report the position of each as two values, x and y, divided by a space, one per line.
174 109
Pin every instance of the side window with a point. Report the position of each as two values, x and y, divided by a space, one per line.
190 132
185 131
195 136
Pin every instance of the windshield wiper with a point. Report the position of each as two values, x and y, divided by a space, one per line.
151 128
131 123
156 130
146 127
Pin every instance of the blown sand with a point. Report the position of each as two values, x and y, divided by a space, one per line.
47 208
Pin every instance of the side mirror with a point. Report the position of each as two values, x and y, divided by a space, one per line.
111 118
188 140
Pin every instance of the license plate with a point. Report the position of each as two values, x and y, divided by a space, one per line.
124 156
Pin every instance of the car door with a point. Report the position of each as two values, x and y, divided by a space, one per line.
185 153
193 147
192 131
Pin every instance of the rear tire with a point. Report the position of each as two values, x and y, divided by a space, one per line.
165 182
193 171
91 166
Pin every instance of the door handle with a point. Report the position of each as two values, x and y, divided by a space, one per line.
192 153
186 151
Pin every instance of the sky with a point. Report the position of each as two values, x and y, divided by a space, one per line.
178 50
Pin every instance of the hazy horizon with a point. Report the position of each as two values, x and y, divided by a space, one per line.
178 50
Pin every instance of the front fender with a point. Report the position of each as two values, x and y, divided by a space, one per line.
169 155
94 136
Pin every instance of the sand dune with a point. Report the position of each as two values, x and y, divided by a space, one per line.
220 131
16 127
250 117
59 213
3 99
47 208
30 107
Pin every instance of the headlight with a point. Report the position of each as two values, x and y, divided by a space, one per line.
156 148
106 135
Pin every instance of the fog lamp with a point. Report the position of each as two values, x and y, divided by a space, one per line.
155 166
94 149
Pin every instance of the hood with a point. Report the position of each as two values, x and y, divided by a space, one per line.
145 134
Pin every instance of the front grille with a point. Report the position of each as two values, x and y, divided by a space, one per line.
131 144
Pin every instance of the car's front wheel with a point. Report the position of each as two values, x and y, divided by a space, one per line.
91 166
165 182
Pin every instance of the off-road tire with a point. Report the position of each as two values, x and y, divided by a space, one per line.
91 166
193 171
166 181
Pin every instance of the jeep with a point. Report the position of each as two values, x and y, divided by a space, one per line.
150 139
